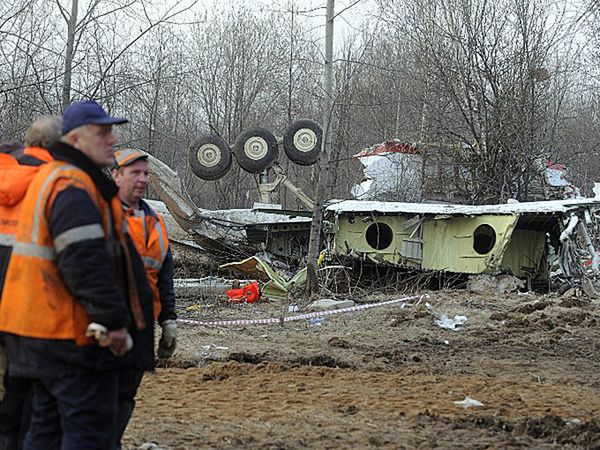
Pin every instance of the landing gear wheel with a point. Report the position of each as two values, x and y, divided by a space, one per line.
302 142
210 157
255 149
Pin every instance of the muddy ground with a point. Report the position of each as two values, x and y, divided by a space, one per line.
387 377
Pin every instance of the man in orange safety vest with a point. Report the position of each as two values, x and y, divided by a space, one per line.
149 234
17 168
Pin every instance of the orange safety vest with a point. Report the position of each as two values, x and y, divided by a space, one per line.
149 235
36 301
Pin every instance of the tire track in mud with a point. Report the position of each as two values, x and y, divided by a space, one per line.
384 379
258 406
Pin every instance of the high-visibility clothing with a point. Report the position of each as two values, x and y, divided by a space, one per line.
149 234
16 172
36 302
33 156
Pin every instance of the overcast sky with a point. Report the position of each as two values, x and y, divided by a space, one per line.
351 12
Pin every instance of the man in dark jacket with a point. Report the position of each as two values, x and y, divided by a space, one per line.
74 304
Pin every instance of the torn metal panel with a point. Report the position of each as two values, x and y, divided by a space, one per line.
524 253
275 285
233 231
391 176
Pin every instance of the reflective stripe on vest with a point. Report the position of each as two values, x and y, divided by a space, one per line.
78 234
52 177
34 251
161 239
7 239
152 263
142 216
150 239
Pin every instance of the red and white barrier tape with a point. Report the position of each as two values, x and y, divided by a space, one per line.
312 315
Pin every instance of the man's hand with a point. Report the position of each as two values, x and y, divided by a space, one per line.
168 339
118 341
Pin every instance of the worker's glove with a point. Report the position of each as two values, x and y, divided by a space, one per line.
168 339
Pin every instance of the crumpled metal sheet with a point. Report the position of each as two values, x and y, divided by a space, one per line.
275 286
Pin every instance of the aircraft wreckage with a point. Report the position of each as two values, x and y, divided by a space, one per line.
530 240
518 238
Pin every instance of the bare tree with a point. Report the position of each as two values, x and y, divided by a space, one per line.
490 77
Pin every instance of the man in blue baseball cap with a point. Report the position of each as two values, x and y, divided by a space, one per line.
88 128
76 308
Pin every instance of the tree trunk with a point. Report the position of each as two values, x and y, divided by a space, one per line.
70 52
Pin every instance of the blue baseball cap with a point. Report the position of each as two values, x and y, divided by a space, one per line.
86 113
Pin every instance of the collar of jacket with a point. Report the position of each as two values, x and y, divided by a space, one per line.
62 151
143 206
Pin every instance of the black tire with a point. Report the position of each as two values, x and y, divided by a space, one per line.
210 157
302 142
255 149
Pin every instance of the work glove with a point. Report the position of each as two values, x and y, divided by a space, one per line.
168 339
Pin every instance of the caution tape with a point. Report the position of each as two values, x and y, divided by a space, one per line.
282 320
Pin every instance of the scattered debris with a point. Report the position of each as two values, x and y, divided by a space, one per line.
454 324
249 293
212 351
316 321
588 288
468 402
490 284
195 287
276 286
329 303
149 446
198 307
573 421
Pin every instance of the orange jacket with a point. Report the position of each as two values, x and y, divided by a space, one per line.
33 156
36 301
16 172
149 234
14 181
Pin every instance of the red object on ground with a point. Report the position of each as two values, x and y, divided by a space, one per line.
246 294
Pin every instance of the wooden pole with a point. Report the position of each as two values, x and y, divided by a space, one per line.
314 244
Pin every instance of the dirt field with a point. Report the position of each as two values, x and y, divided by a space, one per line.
386 377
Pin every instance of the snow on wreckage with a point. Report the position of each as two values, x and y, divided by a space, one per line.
534 241
521 239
